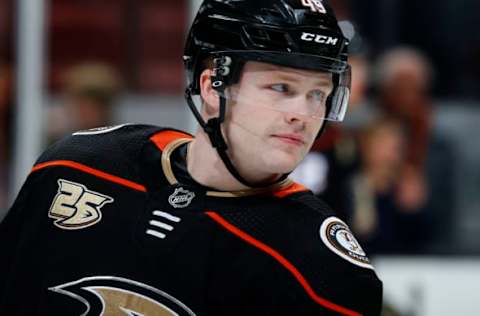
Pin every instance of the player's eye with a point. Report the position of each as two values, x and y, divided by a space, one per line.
318 95
280 87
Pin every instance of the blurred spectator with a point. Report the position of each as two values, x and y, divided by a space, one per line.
5 131
89 92
403 79
360 111
380 218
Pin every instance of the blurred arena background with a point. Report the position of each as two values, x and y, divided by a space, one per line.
403 169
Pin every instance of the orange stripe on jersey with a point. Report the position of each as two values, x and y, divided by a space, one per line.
285 263
162 139
95 172
291 189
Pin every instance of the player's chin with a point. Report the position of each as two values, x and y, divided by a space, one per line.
282 162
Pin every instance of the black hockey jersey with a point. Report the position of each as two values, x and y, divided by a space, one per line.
110 223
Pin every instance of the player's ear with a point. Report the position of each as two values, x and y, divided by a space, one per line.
211 100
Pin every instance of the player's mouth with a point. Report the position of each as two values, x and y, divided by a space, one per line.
292 139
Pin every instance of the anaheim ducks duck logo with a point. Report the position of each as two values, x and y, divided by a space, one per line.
76 207
113 296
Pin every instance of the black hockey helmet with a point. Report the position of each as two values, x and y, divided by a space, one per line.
294 33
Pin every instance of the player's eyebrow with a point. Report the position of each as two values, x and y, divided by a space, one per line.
324 81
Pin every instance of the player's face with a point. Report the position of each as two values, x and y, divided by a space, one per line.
274 116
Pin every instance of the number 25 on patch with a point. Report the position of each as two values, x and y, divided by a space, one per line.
314 5
76 207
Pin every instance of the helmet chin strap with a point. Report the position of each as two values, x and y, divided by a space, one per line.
213 129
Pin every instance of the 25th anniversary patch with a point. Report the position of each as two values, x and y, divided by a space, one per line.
76 207
338 238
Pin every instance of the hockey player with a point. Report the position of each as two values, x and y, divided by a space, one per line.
143 220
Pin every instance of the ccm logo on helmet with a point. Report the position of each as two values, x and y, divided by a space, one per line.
321 39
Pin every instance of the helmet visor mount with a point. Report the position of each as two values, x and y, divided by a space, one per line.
325 100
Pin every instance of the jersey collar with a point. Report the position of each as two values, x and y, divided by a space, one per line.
278 189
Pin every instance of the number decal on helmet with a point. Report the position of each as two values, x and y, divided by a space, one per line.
315 6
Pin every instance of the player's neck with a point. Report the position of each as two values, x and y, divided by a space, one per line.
206 167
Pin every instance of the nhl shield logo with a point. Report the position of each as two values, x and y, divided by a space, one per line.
181 198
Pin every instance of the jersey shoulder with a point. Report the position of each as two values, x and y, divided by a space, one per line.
313 250
316 220
311 204
116 150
